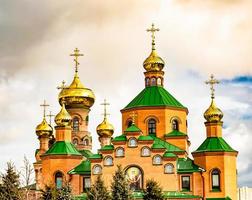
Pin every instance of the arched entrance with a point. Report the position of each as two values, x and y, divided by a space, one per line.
134 176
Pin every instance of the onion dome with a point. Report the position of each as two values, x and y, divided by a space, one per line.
44 128
213 113
105 129
63 118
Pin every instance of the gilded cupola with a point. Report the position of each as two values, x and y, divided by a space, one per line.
44 128
105 129
76 95
154 63
63 118
213 113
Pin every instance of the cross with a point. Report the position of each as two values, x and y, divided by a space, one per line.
44 105
50 117
153 30
212 81
76 54
105 104
63 86
133 116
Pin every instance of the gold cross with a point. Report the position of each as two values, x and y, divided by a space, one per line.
212 81
133 116
76 54
63 86
50 117
153 30
44 105
105 104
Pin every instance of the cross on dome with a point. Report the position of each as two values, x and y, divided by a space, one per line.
50 117
153 30
105 104
44 105
76 55
211 82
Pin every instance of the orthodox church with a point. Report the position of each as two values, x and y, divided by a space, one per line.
154 143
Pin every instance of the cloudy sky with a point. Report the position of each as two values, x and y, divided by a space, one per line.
196 38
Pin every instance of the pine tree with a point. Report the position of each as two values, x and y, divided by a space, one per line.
152 191
98 191
119 186
53 193
10 187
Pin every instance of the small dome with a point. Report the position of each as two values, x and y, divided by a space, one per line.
63 118
213 113
105 129
76 95
44 128
153 62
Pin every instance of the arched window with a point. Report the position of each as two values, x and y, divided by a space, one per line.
75 141
157 160
86 142
76 124
119 152
175 125
134 176
145 151
97 169
58 180
129 123
159 81
169 168
108 161
153 81
152 126
215 179
132 142
147 82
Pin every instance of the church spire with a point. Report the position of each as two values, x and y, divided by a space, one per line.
153 64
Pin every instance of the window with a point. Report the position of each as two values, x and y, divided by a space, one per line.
152 126
129 123
76 124
97 169
147 81
145 151
134 177
157 160
86 142
175 125
169 168
119 152
59 180
159 81
108 161
132 142
75 141
86 184
185 183
153 81
215 179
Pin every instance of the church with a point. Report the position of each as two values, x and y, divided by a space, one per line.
154 143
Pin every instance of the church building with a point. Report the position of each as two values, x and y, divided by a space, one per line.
154 143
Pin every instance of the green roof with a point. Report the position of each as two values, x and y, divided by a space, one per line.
169 155
157 146
120 138
86 153
84 168
62 148
214 144
132 128
169 147
179 195
96 156
154 96
186 165
175 133
145 138
107 147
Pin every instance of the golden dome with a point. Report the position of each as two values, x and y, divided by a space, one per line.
76 95
105 128
63 118
44 128
213 113
153 62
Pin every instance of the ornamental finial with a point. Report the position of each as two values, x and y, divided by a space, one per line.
153 30
212 81
105 104
50 115
76 55
44 105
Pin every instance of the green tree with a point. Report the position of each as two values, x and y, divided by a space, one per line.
119 186
10 186
152 191
53 193
98 191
